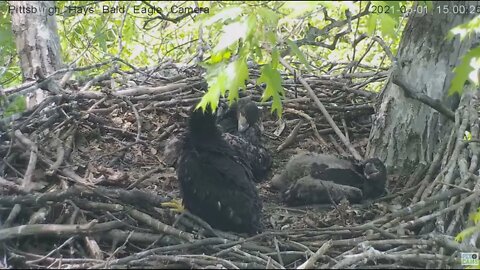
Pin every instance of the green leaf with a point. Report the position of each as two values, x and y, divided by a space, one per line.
468 136
299 54
271 77
222 78
269 17
372 24
387 25
226 14
102 41
466 233
237 74
258 53
19 104
275 58
251 27
300 7
216 86
216 58
475 217
465 29
232 33
429 5
271 37
464 70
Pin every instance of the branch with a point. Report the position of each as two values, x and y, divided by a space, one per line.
434 103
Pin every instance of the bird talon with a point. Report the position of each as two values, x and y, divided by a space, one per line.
175 205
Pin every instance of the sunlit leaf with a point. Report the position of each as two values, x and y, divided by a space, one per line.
216 85
468 136
271 77
300 7
466 233
465 29
462 71
388 25
237 74
19 104
216 58
226 55
475 217
232 33
372 23
226 14
251 26
269 17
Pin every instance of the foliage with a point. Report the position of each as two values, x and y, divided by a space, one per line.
253 26
468 232
261 29
9 71
17 105
469 67
260 39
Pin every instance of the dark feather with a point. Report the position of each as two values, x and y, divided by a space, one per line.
246 144
375 174
369 177
217 184
308 190
245 138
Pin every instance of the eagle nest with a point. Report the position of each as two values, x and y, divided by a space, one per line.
83 183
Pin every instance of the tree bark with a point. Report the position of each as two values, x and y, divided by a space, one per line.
405 131
37 42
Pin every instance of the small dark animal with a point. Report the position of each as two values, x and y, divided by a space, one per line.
308 190
216 183
297 167
368 177
241 119
244 136
243 131
375 174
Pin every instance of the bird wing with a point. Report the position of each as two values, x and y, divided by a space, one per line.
224 187
257 157
234 169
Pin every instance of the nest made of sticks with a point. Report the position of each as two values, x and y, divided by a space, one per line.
83 184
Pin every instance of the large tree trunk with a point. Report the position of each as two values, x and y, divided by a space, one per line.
37 42
407 132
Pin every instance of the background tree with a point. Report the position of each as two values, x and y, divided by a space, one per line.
37 42
407 132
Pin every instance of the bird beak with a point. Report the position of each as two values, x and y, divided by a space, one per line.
370 171
242 123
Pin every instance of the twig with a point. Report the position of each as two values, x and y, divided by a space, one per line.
324 112
54 229
311 121
433 103
68 241
67 172
441 212
312 260
290 138
280 260
12 216
137 117
145 176
58 161
32 163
